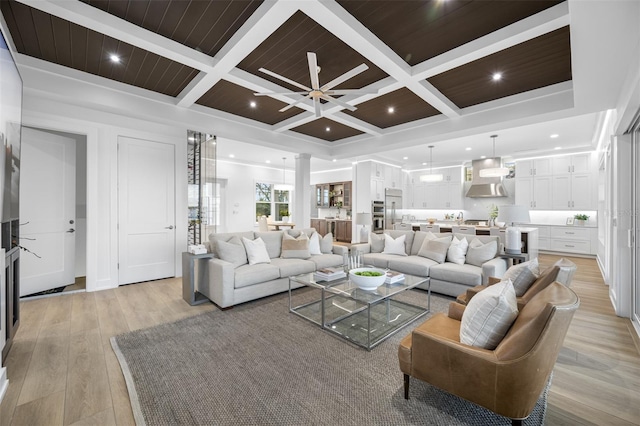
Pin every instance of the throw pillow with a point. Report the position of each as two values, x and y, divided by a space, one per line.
457 250
435 249
523 275
489 315
231 251
377 242
419 238
392 246
314 244
256 251
479 253
326 244
295 248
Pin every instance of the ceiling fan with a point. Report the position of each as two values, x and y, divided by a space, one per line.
317 92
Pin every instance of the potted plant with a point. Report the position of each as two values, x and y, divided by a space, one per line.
284 215
581 218
493 214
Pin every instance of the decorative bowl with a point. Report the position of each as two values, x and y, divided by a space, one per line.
431 221
367 282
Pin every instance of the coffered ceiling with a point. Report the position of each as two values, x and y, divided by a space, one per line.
431 64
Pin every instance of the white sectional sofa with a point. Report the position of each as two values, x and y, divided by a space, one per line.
447 277
230 283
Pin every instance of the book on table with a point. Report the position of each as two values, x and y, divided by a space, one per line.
393 277
329 274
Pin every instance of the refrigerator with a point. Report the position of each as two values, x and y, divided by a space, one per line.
392 205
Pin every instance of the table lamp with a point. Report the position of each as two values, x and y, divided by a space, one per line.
511 214
363 219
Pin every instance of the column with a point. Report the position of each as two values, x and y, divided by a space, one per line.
302 194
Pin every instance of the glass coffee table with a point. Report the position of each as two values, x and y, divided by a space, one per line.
363 317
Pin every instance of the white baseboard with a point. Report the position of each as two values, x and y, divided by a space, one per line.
4 383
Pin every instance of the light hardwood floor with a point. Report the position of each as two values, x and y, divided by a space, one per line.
62 369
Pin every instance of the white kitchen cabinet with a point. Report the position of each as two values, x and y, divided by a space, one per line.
392 177
567 239
377 170
572 191
451 174
419 196
577 163
377 189
534 192
535 167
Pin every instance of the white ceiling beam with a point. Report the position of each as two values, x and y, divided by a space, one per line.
344 26
260 25
356 123
112 26
529 28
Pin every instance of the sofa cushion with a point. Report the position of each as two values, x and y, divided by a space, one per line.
377 259
256 251
523 275
326 243
289 267
489 315
377 242
247 275
226 237
479 253
435 249
273 242
408 238
314 244
463 274
414 265
394 246
418 240
231 251
326 260
457 250
295 233
295 248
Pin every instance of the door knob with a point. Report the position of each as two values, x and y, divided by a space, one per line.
71 231
168 227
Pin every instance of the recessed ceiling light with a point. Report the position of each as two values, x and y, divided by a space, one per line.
334 160
268 161
114 58
553 136
328 129
232 156
424 164
405 158
483 157
191 138
496 76
252 104
468 148
391 110
557 147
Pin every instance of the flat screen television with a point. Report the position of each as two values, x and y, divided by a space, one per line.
10 134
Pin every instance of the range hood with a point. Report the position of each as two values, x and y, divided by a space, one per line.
486 187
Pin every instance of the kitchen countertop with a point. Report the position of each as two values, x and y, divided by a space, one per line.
450 225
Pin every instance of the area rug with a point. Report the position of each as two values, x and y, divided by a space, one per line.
257 364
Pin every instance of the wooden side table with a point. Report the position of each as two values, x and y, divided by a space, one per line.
189 277
516 258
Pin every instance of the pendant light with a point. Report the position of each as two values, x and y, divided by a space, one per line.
283 186
494 171
431 177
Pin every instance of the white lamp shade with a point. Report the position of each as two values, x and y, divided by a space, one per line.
435 177
510 214
363 218
512 240
494 172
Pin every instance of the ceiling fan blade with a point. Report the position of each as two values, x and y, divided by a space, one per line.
351 92
338 102
292 104
344 77
285 79
281 93
313 70
316 104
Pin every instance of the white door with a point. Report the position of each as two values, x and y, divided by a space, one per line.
146 204
47 211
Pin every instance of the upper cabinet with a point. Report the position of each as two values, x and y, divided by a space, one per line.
536 167
337 194
446 194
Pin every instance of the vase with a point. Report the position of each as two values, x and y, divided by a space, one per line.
580 222
285 219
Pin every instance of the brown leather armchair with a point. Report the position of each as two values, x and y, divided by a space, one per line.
507 380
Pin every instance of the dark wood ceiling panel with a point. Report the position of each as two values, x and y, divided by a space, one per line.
536 63
285 52
52 39
202 25
234 99
318 129
419 30
406 105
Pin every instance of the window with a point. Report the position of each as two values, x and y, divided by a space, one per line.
271 202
